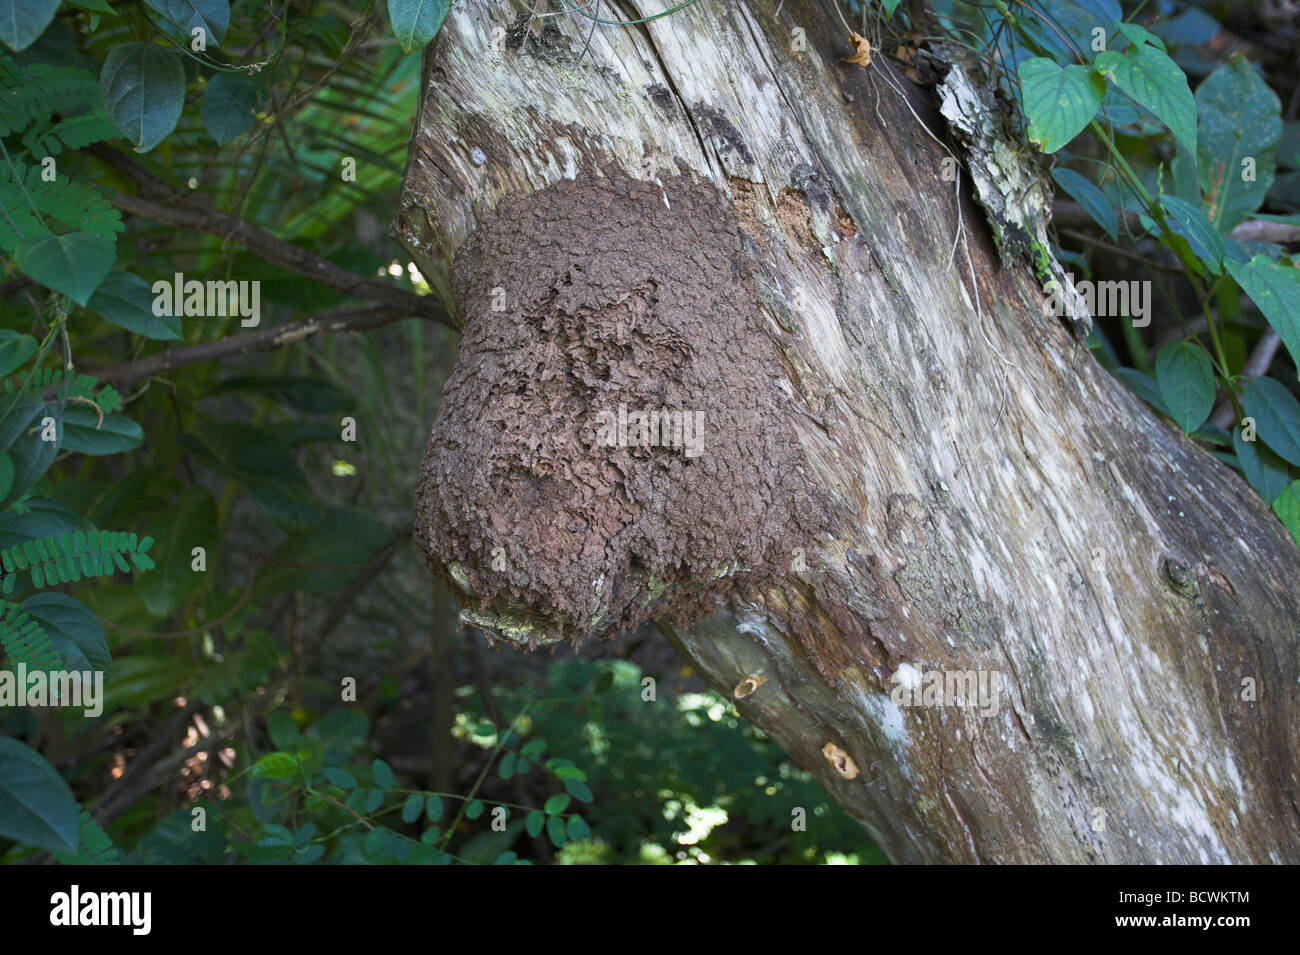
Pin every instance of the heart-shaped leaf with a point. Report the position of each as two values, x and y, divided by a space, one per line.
127 300
416 22
143 86
36 805
22 21
229 105
15 349
1275 290
210 16
1186 378
1155 82
1059 101
1277 416
74 263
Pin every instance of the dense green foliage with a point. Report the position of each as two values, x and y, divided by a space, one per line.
1111 100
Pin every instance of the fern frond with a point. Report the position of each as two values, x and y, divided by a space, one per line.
24 641
69 557
71 133
108 399
76 204
30 95
94 847
83 386
17 220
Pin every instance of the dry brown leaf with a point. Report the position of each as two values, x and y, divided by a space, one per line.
861 50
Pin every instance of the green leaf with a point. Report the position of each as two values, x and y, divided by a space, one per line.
376 841
1275 290
1214 435
433 808
474 809
578 789
1277 416
1190 221
329 31
533 748
1139 34
340 777
569 772
143 86
15 349
329 555
94 6
412 808
506 858
1240 119
374 799
1145 387
507 767
94 847
1264 470
31 454
283 731
1192 27
341 732
557 803
577 828
555 830
72 629
229 105
36 805
1091 199
210 16
127 300
74 263
1287 507
18 422
6 475
309 854
535 822
308 395
1155 82
44 517
83 432
22 21
276 766
1059 101
384 777
1186 379
190 521
416 22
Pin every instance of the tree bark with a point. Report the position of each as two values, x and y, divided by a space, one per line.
976 496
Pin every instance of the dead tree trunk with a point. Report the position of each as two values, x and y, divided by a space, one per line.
906 466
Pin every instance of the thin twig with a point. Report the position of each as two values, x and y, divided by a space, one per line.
359 320
169 205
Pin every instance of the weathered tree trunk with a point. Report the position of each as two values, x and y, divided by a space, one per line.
903 471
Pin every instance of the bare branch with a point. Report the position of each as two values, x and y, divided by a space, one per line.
175 207
359 320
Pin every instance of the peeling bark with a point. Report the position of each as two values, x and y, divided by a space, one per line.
994 502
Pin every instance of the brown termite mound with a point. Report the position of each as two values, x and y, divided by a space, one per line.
612 444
